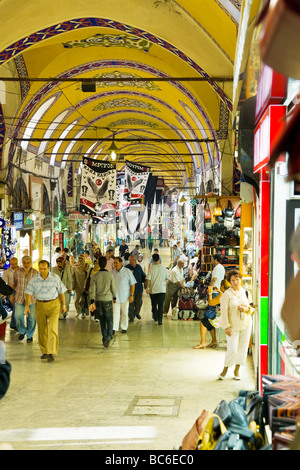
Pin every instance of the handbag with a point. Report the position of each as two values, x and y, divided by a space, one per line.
202 304
207 213
217 211
229 223
238 212
186 304
210 313
191 439
229 210
212 431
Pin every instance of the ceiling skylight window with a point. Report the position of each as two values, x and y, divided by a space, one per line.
59 142
31 126
51 129
70 147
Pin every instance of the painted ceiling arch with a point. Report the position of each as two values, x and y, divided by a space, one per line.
128 38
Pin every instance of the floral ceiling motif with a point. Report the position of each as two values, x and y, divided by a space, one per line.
125 103
111 40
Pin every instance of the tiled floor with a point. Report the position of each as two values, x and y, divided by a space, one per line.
144 392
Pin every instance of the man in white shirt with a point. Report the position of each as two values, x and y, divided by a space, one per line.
156 287
125 287
176 255
184 257
175 283
218 273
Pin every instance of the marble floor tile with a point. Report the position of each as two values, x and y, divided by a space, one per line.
81 400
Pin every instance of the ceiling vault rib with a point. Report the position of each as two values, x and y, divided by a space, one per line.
117 79
104 139
125 154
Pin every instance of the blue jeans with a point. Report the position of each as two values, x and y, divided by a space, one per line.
29 328
104 312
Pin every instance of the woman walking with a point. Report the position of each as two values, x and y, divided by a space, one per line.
80 272
236 315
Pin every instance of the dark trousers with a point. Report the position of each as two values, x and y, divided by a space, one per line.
135 306
172 294
104 312
157 303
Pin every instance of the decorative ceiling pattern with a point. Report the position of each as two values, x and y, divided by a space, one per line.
140 55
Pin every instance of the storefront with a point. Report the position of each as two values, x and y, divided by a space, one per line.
269 120
286 217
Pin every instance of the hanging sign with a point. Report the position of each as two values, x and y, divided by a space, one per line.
271 89
98 190
18 220
136 177
271 123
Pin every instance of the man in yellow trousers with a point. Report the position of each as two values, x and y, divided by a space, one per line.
49 292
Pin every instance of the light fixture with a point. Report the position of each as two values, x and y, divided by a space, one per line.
113 151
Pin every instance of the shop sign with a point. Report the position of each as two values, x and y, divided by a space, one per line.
271 89
28 222
47 222
61 239
270 124
18 220
77 216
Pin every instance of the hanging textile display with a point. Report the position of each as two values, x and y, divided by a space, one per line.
98 191
136 177
200 225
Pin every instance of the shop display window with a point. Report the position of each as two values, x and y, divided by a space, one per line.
246 258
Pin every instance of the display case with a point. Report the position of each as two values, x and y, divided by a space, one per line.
229 256
246 247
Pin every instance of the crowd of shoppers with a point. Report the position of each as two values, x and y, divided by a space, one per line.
109 288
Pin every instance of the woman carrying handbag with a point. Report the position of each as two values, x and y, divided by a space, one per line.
236 314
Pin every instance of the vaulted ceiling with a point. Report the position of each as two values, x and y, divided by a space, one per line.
176 127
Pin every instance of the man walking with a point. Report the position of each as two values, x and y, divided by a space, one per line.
109 260
103 294
49 292
156 287
140 277
123 248
125 287
174 284
22 277
64 272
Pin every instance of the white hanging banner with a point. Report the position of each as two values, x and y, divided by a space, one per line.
136 177
98 190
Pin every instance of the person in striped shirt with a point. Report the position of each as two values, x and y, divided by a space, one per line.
22 277
49 292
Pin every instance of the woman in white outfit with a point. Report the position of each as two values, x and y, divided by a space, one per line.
236 315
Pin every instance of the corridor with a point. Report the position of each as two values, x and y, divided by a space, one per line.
142 393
